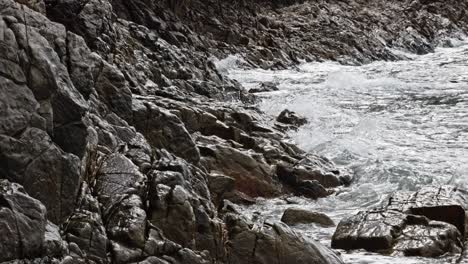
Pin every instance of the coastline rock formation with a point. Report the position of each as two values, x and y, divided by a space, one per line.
428 223
120 139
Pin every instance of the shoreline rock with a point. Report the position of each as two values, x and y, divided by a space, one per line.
427 223
113 117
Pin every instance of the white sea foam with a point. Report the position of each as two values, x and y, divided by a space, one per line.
396 125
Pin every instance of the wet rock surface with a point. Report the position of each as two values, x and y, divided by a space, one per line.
265 87
408 225
293 216
120 139
254 243
291 118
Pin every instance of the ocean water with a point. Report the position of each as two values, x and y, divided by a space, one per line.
395 125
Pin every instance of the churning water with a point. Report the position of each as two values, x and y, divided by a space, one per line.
396 125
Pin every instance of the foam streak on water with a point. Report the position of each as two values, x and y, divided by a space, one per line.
396 125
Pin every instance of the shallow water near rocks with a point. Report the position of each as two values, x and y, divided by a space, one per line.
396 125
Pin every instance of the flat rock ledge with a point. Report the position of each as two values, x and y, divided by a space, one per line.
427 223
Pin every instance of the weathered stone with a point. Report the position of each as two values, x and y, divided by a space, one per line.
37 5
36 162
54 246
152 260
67 87
265 87
292 216
113 89
431 239
272 245
127 222
373 230
86 230
310 168
220 184
445 203
164 130
17 105
291 118
157 244
254 176
117 178
123 254
406 225
22 223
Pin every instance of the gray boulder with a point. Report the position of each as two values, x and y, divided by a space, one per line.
272 244
291 118
293 216
35 161
86 230
164 130
427 223
253 175
22 223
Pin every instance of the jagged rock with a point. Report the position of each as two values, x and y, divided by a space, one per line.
35 161
311 176
90 19
124 254
152 260
395 232
410 224
54 246
291 118
164 130
127 222
37 5
17 104
180 206
117 178
157 244
430 239
272 244
312 168
83 65
239 198
292 216
265 87
72 89
86 230
114 91
445 203
220 184
373 230
22 223
254 176
48 79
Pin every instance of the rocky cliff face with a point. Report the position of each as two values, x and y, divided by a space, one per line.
120 141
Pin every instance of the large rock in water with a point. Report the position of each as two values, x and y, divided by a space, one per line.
294 216
427 223
446 203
